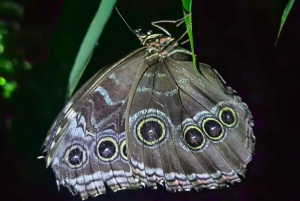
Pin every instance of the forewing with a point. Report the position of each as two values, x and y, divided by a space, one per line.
86 145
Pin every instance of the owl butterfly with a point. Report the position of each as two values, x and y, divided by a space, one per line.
151 118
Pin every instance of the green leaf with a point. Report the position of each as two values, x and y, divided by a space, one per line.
187 9
284 16
89 42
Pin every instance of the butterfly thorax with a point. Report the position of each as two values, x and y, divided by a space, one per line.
159 44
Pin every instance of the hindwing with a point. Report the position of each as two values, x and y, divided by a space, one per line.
185 128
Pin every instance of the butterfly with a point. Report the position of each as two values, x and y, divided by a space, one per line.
151 118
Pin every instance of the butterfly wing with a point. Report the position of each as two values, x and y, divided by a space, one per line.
86 146
186 129
151 118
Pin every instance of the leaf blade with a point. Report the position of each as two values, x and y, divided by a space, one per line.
89 42
284 17
187 9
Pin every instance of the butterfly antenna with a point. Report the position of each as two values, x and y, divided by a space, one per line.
138 32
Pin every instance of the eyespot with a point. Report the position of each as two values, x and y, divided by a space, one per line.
75 156
107 149
194 137
123 150
213 128
228 116
151 131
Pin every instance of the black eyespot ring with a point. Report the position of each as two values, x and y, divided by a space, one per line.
123 150
194 137
228 116
107 149
75 156
151 131
213 128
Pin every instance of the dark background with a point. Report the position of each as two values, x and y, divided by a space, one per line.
236 37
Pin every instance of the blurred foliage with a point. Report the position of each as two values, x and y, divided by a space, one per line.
13 66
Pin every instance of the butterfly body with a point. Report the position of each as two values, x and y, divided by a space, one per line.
151 118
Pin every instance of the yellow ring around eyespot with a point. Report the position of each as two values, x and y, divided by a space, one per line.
71 149
145 121
116 146
213 138
204 139
234 116
121 150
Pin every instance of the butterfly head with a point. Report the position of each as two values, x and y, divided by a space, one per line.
157 43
